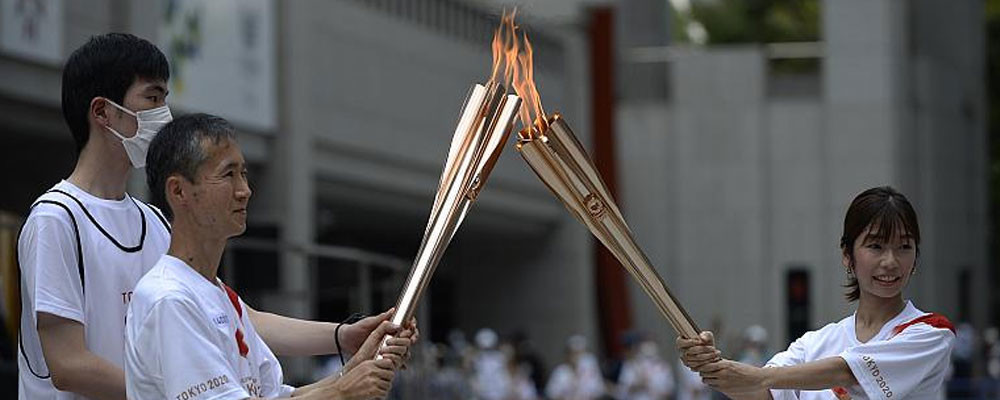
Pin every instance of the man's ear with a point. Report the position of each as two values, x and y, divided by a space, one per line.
177 192
99 111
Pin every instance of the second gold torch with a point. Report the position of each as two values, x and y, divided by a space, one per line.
556 156
561 162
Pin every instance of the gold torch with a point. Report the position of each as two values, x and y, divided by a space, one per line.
560 161
483 127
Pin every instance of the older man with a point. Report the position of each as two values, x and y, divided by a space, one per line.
188 335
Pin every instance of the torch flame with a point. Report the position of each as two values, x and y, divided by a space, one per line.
513 50
510 55
505 48
524 85
498 53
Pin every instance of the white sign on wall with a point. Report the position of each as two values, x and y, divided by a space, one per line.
222 58
32 29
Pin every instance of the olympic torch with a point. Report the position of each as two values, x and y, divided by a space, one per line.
484 125
560 161
552 150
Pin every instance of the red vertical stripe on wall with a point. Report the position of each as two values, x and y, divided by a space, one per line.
613 308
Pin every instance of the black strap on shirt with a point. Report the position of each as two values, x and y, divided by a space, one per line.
159 216
79 250
79 266
142 236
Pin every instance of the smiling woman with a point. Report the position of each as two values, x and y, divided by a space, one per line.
880 223
887 349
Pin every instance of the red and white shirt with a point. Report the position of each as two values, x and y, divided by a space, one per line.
187 338
907 359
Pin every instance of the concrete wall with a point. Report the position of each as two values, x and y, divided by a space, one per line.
696 172
946 131
863 93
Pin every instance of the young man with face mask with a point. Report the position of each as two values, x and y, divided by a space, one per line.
86 242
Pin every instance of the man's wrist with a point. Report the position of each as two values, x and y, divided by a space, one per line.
767 376
329 390
346 337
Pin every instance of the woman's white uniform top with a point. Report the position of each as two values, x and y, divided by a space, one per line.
190 339
906 359
80 256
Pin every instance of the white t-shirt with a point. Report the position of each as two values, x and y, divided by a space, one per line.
188 339
906 359
80 257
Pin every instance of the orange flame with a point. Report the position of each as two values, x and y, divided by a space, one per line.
517 69
497 47
524 85
505 47
510 55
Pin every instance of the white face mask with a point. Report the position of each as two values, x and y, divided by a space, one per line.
148 123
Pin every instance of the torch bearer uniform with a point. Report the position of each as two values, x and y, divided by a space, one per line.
907 359
80 256
187 338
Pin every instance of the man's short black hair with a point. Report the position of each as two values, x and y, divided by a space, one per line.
106 66
179 149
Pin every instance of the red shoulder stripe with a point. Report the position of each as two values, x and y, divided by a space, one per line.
235 299
932 319
841 393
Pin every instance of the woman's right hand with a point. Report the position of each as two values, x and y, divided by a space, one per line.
695 353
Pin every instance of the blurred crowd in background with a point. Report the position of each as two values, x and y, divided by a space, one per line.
491 366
